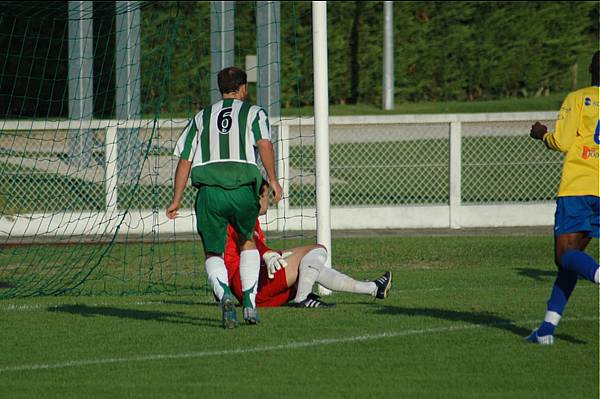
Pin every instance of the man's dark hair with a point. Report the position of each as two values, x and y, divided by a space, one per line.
595 68
230 79
264 185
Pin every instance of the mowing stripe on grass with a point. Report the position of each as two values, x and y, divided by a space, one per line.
13 307
271 348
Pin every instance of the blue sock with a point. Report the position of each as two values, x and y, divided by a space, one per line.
579 262
546 329
561 291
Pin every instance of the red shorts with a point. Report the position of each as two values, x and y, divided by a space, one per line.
273 292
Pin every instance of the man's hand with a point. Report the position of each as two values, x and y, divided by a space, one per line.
275 262
267 156
182 174
173 210
538 131
277 190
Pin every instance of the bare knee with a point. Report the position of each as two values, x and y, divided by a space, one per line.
316 253
568 242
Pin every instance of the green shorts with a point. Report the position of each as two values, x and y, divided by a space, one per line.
217 207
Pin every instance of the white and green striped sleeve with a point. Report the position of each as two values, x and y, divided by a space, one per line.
260 126
188 141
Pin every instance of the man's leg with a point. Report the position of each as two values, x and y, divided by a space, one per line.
212 227
282 288
242 212
578 218
219 281
577 261
312 270
575 222
249 270
570 246
217 275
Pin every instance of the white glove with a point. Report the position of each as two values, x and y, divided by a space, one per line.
275 262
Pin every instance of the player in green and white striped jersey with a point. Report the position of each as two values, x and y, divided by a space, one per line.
220 148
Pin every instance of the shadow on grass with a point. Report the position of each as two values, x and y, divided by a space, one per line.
475 318
536 274
6 285
124 313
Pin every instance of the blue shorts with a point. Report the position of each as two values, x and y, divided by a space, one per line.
577 214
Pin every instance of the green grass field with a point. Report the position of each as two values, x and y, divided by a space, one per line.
551 102
452 327
540 103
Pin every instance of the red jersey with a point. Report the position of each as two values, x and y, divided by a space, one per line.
232 249
271 292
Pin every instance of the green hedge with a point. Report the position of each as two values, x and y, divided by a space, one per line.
443 50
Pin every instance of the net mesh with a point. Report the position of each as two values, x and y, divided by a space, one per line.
86 140
375 164
93 98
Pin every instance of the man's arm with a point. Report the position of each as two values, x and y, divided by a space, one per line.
566 127
181 176
267 156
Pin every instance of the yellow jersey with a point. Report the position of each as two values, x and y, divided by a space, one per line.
577 135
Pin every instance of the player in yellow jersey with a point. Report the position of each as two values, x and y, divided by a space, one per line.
577 216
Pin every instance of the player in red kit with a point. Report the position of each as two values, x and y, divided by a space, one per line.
289 275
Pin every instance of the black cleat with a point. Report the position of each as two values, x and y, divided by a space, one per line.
383 283
312 301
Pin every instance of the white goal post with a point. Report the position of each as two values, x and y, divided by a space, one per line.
321 107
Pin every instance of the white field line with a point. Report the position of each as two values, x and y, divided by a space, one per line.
270 348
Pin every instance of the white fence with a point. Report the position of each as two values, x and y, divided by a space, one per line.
453 140
401 171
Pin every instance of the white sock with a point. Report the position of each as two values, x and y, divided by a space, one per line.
313 269
249 269
336 281
597 276
308 272
552 318
217 275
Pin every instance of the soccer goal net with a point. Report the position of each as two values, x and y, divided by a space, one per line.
94 95
93 98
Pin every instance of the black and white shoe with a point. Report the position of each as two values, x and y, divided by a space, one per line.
313 301
383 283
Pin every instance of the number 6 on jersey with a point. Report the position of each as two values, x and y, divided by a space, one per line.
224 120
